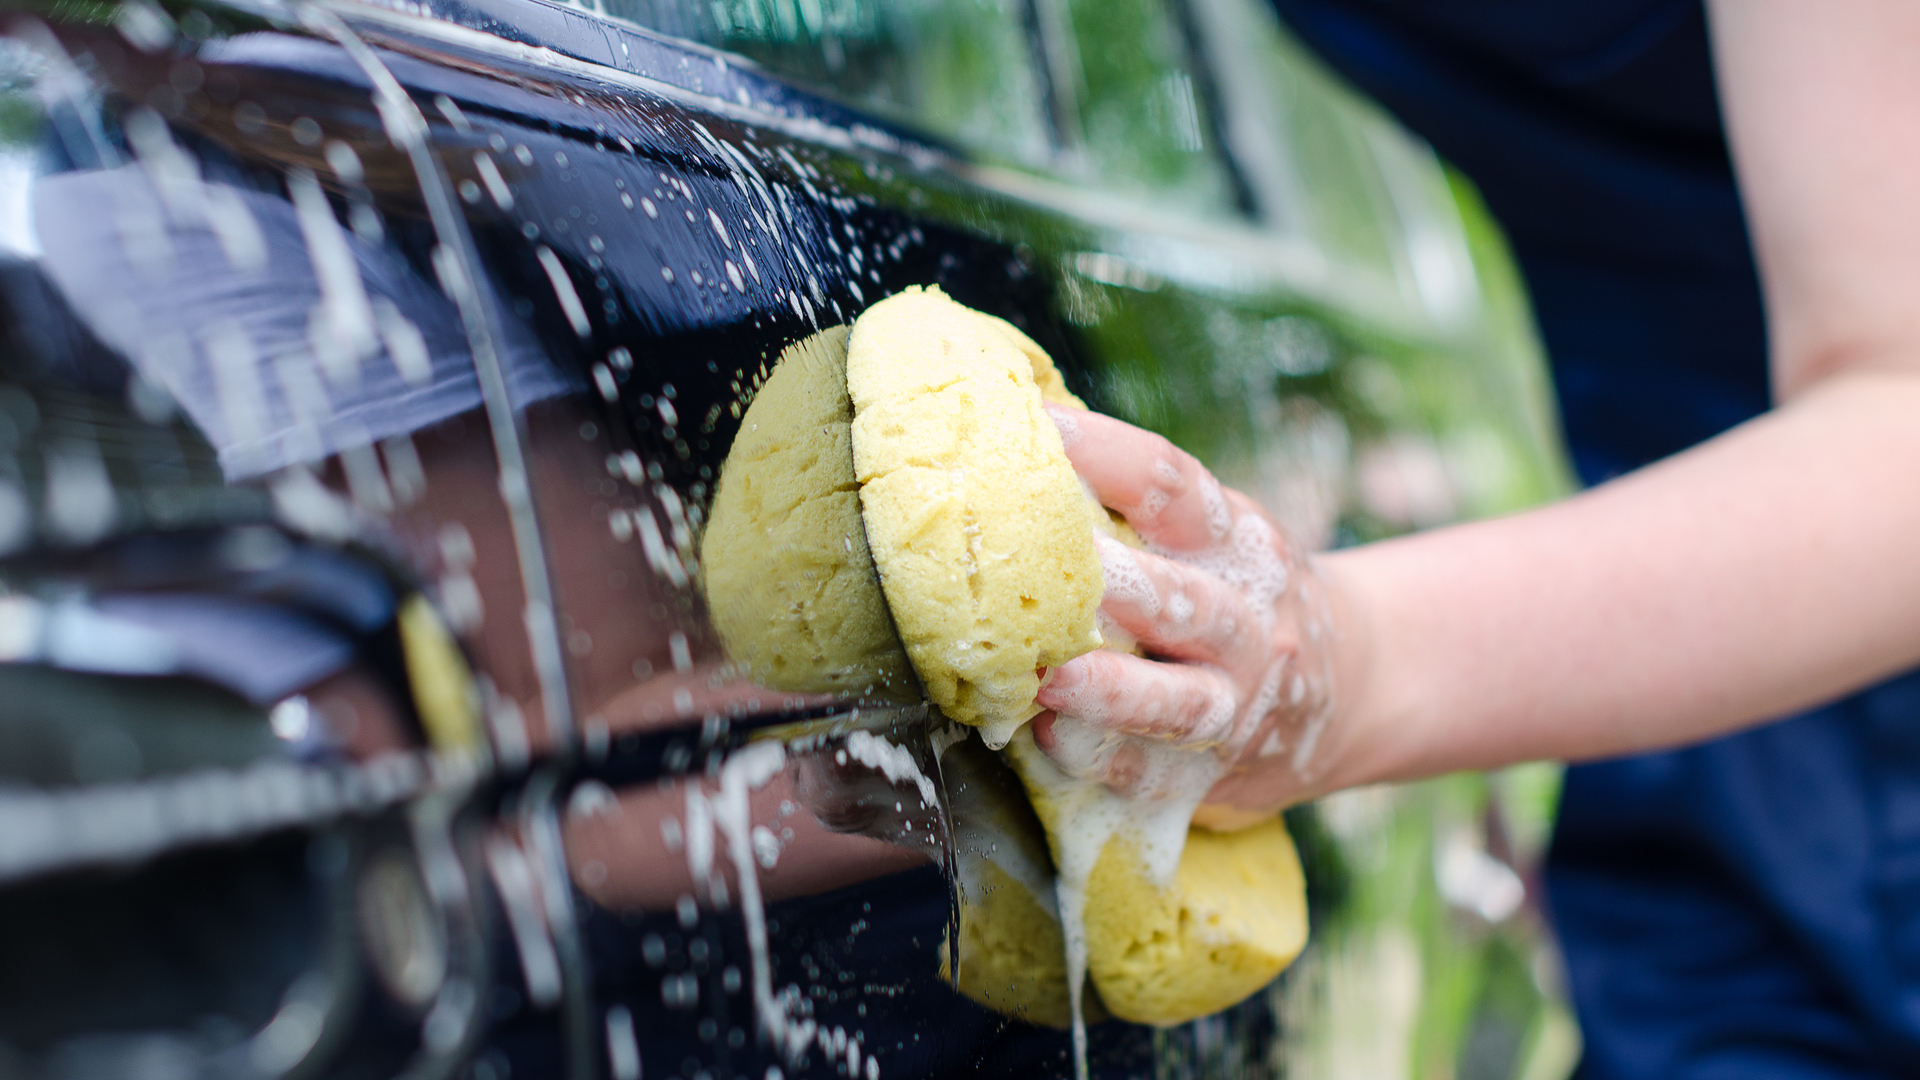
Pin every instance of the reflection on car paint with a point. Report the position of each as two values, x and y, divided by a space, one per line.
365 394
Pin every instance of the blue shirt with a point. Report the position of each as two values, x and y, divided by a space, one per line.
1749 907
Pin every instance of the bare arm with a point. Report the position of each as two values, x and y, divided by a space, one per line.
1765 570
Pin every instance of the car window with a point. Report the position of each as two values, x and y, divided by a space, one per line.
1324 165
1102 93
1139 106
959 69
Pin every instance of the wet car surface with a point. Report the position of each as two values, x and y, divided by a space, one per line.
370 370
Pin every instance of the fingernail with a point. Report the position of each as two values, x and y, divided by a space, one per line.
1059 682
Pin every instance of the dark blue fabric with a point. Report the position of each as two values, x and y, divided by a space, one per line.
1749 907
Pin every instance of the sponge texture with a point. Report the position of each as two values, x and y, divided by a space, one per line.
1233 919
976 520
789 582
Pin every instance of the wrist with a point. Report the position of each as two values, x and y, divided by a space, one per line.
1357 743
1342 743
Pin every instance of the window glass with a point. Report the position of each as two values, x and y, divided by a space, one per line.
1144 115
1309 149
958 69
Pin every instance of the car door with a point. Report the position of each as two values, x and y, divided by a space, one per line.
490 284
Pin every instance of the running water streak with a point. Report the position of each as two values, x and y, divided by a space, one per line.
1085 816
746 770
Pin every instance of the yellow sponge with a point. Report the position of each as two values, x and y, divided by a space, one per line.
1233 919
1194 935
789 583
975 518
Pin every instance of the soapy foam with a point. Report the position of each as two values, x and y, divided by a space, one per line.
1167 473
1115 636
744 771
1156 827
1152 503
894 762
1248 556
1217 725
1249 561
1126 581
1180 610
1268 696
1219 516
1210 721
1069 426
997 733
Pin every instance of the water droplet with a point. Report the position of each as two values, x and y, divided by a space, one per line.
570 304
496 183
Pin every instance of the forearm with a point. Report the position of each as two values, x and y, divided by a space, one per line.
1763 571
1769 569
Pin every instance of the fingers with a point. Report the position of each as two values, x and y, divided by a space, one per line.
1167 496
1089 753
1180 703
1177 610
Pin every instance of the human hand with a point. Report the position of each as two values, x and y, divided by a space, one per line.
1235 621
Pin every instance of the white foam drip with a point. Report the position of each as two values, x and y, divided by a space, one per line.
997 733
698 834
1310 740
1268 695
1174 781
894 762
746 770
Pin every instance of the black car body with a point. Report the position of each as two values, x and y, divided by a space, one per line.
369 369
